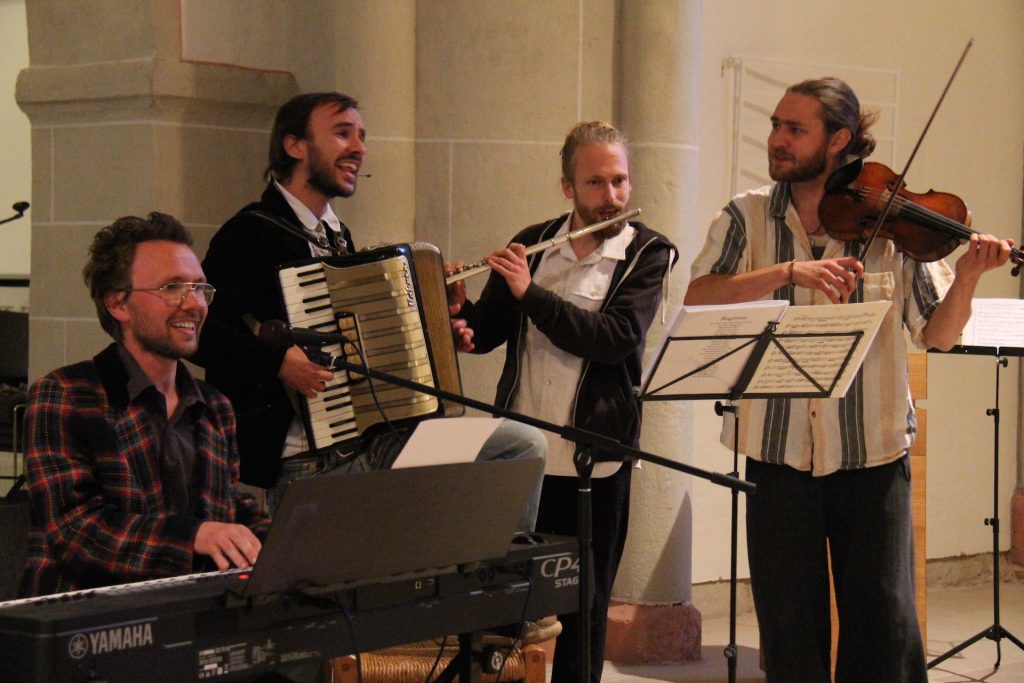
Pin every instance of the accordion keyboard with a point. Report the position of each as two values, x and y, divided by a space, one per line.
331 417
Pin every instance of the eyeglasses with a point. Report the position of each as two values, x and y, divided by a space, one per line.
174 293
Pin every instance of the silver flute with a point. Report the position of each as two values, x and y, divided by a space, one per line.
472 269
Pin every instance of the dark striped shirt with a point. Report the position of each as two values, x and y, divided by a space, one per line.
761 228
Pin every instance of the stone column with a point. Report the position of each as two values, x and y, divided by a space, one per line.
375 54
653 618
122 125
497 89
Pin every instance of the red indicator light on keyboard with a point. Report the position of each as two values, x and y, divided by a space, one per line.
243 577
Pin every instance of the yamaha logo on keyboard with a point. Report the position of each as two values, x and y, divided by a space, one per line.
110 640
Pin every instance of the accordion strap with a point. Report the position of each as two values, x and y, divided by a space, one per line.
297 231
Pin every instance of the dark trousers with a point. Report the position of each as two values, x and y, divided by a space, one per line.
610 506
865 517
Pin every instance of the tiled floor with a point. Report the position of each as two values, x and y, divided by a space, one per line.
954 615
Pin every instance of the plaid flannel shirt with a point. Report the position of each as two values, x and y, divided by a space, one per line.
92 460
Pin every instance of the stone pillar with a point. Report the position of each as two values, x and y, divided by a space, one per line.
497 89
375 54
653 618
122 125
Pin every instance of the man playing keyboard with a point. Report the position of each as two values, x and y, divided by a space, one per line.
131 462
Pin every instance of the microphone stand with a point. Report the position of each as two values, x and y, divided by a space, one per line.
591 447
20 208
582 437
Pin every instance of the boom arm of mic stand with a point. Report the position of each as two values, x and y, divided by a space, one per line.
585 439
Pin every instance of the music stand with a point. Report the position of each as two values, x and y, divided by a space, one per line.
590 447
759 349
996 631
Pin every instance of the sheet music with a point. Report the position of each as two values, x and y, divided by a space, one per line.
706 330
708 347
446 440
998 323
819 356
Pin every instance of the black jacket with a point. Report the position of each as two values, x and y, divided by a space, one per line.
610 341
242 264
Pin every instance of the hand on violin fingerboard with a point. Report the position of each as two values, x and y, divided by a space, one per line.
984 253
836 277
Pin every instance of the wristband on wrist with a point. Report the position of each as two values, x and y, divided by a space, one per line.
791 264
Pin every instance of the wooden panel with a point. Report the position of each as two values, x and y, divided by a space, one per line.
917 365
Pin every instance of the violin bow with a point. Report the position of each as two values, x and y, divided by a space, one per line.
899 184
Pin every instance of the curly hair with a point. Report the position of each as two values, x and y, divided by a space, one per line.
840 109
587 133
293 119
112 253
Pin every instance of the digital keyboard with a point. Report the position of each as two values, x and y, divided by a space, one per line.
196 628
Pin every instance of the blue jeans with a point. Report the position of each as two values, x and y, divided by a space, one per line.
517 441
510 441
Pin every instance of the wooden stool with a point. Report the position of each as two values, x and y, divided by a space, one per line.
411 663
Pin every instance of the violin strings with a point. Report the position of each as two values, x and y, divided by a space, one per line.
917 211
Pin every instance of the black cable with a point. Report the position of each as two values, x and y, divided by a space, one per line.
517 643
355 646
373 391
437 660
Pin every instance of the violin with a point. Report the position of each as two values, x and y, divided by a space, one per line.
926 226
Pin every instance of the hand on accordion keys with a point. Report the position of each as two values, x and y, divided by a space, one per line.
298 372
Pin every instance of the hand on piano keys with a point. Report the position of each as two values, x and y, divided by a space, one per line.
229 545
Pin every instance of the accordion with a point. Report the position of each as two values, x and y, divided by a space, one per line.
391 302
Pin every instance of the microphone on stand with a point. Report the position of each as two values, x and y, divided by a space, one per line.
278 333
20 208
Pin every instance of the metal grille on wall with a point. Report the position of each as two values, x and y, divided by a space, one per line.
759 83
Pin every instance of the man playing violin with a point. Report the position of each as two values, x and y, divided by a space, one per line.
574 320
834 470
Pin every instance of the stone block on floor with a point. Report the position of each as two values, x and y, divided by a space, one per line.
648 634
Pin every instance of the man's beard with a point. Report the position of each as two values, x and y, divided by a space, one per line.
590 218
321 177
163 346
800 171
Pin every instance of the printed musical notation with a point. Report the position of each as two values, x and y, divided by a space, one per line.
830 334
995 323
709 347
